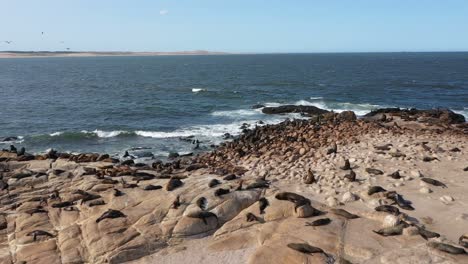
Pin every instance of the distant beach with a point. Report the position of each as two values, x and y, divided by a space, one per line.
42 54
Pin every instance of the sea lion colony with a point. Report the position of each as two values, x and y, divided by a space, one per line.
303 190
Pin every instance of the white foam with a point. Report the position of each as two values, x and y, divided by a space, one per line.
316 98
237 113
197 90
55 134
463 112
109 134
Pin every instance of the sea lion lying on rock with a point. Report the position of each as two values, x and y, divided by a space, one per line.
202 215
111 214
446 248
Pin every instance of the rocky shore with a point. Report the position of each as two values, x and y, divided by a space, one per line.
390 187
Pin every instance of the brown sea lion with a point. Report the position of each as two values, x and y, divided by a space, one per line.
263 203
221 191
374 171
346 166
173 184
375 189
434 182
305 248
37 233
344 213
251 217
111 214
388 209
391 231
213 183
319 222
202 203
446 248
203 215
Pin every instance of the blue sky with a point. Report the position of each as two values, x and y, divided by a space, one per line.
235 26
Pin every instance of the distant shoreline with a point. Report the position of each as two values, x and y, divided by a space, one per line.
49 54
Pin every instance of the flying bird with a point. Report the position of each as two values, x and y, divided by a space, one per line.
8 41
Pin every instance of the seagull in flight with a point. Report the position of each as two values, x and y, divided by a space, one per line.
8 41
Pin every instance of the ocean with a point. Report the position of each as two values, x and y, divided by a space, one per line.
150 105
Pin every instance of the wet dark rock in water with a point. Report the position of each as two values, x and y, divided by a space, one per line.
7 139
257 106
285 109
227 136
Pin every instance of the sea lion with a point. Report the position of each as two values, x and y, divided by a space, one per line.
213 183
463 241
346 166
176 203
62 204
126 185
90 197
398 199
239 187
13 149
427 234
3 185
375 189
309 178
259 183
333 149
397 154
202 215
455 149
21 152
37 233
151 187
128 162
292 197
37 210
251 217
385 147
111 214
429 159
117 193
374 171
202 203
305 248
344 213
434 182
109 181
173 184
263 203
230 177
391 231
446 248
351 176
96 203
388 209
396 175
319 222
221 191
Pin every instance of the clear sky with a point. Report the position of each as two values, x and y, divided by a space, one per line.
235 25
